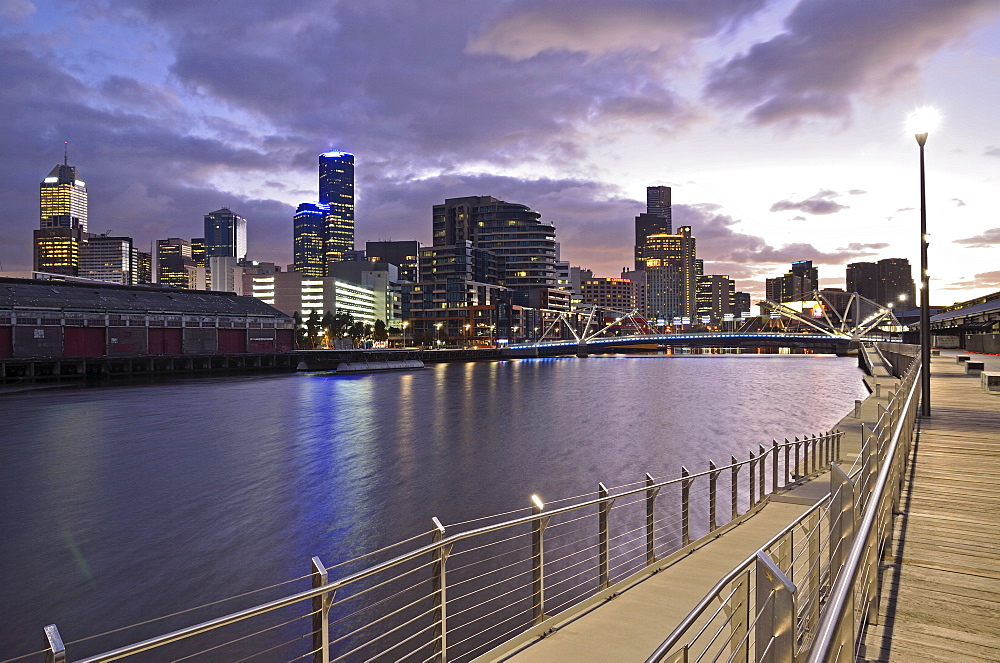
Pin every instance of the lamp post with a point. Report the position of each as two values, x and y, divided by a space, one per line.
468 337
437 335
405 324
921 122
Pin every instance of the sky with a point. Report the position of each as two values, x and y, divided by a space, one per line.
780 124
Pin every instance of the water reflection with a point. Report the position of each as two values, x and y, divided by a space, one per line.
124 503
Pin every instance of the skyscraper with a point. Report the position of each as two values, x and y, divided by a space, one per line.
174 265
656 220
671 279
62 226
658 202
896 285
108 259
225 234
309 254
336 189
862 278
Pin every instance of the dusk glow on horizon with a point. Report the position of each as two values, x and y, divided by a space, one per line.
776 122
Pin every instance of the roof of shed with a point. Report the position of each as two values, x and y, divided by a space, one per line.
77 296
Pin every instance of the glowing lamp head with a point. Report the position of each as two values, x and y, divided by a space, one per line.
922 121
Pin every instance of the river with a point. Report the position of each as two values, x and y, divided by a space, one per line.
126 502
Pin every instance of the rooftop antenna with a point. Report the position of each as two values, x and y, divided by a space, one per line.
65 152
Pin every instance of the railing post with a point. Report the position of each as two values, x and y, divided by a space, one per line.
798 466
735 488
761 472
753 480
651 494
842 500
439 587
815 454
713 479
321 614
788 467
774 629
685 506
604 509
537 561
840 434
774 466
56 652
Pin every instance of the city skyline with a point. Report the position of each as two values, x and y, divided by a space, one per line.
778 145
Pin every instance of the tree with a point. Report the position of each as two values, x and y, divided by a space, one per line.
380 334
300 332
357 330
342 323
312 324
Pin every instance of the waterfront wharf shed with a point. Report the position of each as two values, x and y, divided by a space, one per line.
55 319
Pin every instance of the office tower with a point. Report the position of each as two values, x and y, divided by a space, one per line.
671 281
795 285
63 198
514 233
863 278
741 303
405 255
108 259
199 252
658 203
142 263
716 297
309 254
225 234
62 226
174 264
336 189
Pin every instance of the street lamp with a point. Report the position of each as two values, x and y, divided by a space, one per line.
437 334
405 325
468 339
920 122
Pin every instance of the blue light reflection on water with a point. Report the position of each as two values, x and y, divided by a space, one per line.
192 491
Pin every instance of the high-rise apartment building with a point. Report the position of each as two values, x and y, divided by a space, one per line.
795 285
225 235
62 226
523 244
889 281
716 297
610 294
336 189
671 281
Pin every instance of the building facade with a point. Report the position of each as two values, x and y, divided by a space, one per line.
612 294
716 298
110 259
405 255
671 279
62 222
225 235
336 190
174 264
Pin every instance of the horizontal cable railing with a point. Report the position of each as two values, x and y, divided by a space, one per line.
812 588
463 594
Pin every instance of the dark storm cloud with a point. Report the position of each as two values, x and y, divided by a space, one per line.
820 203
832 51
986 240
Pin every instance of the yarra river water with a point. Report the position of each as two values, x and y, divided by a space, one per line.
124 503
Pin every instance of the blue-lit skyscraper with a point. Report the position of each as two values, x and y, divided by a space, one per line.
225 234
336 190
309 223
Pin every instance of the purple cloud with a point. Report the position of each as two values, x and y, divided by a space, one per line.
820 203
832 51
986 240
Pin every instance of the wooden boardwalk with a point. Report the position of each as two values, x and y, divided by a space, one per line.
941 577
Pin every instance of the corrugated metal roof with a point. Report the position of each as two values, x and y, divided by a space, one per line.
78 296
975 309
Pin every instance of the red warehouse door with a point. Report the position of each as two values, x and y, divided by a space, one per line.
83 342
164 341
232 341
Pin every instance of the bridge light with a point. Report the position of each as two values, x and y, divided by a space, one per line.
537 501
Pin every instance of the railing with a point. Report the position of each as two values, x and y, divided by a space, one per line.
463 594
769 607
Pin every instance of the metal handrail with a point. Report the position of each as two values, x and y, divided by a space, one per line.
843 588
828 444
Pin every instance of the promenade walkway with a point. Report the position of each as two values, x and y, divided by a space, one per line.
941 577
633 624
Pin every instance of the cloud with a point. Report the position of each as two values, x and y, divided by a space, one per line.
527 28
820 203
992 151
857 192
958 202
16 10
855 246
986 240
982 280
833 51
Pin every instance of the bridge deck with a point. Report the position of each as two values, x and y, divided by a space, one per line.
941 584
632 625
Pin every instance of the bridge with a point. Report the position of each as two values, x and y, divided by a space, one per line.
829 321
